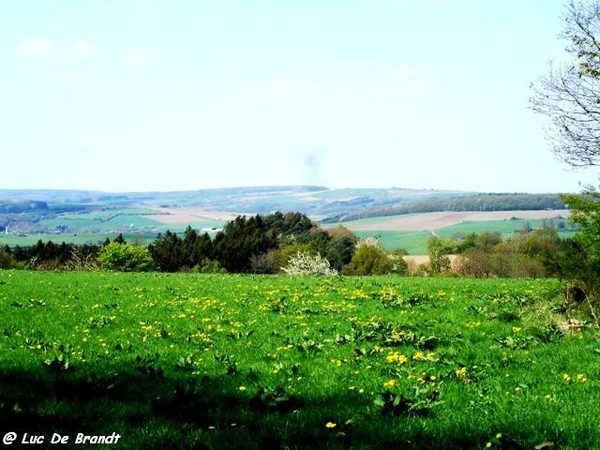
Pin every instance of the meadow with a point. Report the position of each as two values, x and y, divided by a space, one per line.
415 242
238 361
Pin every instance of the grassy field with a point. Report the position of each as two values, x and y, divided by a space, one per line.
415 242
227 361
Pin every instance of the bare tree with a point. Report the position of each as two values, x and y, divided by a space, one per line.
570 94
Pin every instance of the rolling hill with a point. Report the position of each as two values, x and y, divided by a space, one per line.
91 216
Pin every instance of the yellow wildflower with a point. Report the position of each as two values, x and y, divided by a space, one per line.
461 373
396 358
389 384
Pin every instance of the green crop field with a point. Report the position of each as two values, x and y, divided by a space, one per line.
173 361
414 242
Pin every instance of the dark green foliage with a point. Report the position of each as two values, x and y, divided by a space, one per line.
292 226
166 251
172 253
241 239
45 255
341 247
195 247
6 258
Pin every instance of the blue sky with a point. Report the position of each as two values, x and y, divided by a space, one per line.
135 95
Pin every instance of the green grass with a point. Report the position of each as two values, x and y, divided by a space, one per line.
231 361
414 242
501 226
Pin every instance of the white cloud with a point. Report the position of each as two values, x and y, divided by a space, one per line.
34 47
145 3
411 79
135 58
83 48
45 48
294 93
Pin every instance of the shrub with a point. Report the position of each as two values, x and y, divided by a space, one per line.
306 264
6 259
125 258
210 266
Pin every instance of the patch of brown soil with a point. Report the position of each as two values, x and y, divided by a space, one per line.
185 215
437 220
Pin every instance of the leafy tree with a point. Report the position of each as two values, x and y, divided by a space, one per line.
125 258
369 259
476 260
580 263
290 227
166 251
241 239
319 241
439 249
195 247
398 265
341 246
6 258
267 262
569 94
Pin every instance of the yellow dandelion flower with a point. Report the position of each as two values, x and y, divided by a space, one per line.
242 388
461 373
330 425
396 358
499 436
390 384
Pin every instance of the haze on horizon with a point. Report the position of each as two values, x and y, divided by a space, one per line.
150 95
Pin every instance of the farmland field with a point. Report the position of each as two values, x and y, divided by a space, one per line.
411 231
438 220
232 361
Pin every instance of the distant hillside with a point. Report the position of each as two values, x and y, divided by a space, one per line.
95 214
318 202
477 202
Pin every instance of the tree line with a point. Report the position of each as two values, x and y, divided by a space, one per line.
478 202
268 244
255 244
